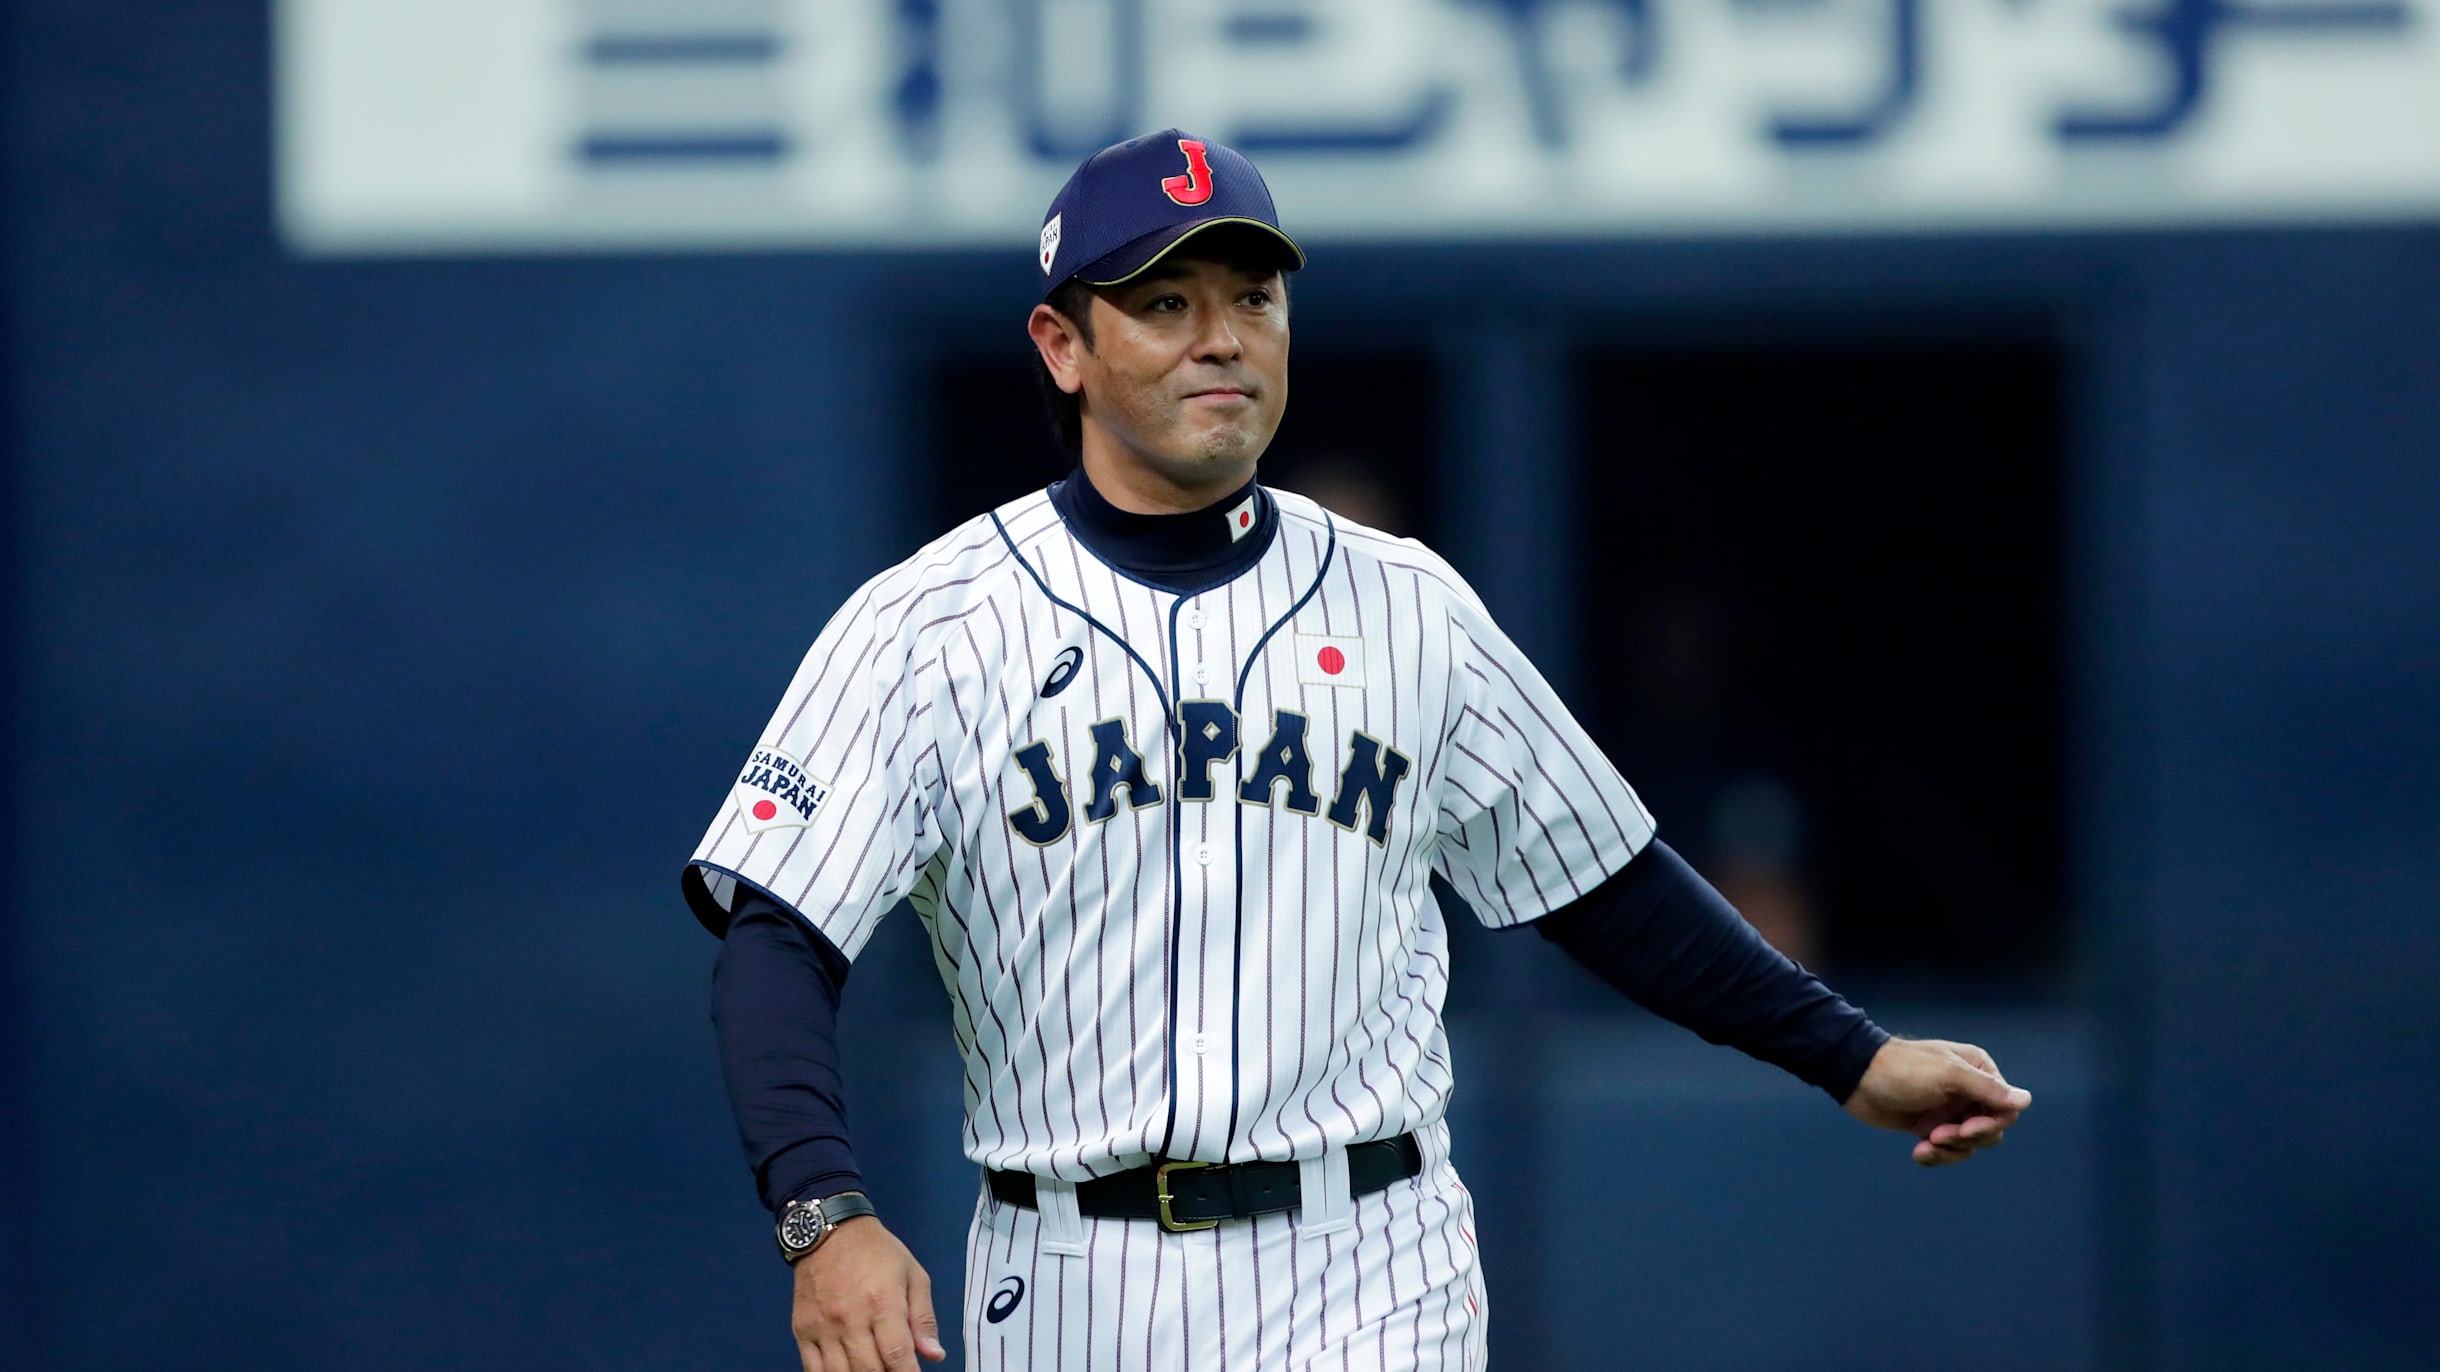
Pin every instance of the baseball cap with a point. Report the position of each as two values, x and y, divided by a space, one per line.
1132 202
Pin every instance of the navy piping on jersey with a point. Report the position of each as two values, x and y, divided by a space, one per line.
1170 728
1181 555
1329 551
1079 611
1177 876
1236 980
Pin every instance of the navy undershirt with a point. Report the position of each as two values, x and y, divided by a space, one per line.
1183 554
1655 929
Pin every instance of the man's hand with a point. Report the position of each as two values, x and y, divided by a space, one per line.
863 1304
1950 1096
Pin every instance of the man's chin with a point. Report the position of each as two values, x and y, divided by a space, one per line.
1220 447
1207 455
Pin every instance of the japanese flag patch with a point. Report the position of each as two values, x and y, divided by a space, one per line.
1050 243
1241 519
774 793
1325 660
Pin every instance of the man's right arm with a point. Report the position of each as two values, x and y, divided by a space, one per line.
775 1005
861 1299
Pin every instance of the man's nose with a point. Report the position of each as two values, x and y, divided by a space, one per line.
1217 342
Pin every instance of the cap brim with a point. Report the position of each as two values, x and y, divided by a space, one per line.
1136 258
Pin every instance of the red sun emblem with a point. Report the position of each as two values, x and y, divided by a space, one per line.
764 810
1331 661
1245 518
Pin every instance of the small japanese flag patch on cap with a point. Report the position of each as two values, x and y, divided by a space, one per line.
1240 519
1325 660
1050 243
773 792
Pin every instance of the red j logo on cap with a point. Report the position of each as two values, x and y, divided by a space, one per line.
1195 186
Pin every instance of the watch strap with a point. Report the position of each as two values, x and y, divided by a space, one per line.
804 1225
839 1209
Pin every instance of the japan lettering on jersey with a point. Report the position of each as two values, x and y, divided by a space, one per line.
1173 852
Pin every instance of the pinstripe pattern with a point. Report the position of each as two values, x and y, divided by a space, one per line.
1218 979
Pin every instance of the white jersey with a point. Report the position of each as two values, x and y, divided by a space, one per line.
1173 850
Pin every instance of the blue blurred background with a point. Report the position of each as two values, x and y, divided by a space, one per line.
2033 617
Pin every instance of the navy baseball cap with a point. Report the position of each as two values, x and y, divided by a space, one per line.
1132 202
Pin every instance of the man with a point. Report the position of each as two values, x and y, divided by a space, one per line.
1164 761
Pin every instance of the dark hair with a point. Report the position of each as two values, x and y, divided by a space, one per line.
1073 299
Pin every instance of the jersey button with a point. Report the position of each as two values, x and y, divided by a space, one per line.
1200 1045
1204 855
1194 619
1203 676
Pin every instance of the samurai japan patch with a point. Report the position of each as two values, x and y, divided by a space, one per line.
774 793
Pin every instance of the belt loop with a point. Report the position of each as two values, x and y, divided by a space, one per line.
1432 1144
1062 1231
1326 1206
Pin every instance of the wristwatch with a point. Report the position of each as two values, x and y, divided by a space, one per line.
804 1224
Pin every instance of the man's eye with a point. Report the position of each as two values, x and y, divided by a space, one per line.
1259 299
1169 304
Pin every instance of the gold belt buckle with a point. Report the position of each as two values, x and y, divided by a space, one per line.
1171 1223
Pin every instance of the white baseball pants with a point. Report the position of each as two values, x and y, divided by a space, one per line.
1387 1282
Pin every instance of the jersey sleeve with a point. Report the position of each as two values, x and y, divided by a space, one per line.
1531 813
831 814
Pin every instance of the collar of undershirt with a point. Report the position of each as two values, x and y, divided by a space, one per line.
1179 553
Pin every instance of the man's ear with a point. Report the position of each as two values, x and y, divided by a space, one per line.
1057 339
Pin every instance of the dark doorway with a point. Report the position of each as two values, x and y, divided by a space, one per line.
1358 437
1824 623
991 442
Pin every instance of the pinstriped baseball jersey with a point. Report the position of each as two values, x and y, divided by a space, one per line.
1172 850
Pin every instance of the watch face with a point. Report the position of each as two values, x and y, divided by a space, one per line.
801 1229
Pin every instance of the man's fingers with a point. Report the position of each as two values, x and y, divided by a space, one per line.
1941 1155
1933 1155
1983 1129
1975 1057
892 1333
920 1318
899 1341
862 1354
1986 1088
1952 1143
852 1348
896 1348
809 1339
1974 1131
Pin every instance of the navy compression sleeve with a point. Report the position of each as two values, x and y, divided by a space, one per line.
775 1005
1659 932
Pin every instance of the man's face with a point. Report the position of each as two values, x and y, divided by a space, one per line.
1188 372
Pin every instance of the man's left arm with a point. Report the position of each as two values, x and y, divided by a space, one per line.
1659 932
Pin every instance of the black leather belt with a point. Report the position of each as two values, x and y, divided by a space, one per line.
1186 1196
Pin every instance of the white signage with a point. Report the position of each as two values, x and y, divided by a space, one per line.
481 125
